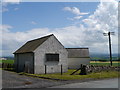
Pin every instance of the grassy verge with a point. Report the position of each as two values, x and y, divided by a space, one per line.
67 76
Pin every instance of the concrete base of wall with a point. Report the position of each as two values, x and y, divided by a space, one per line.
50 69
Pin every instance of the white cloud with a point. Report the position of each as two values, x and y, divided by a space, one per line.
13 40
5 3
4 10
74 10
5 27
75 18
33 22
78 17
15 9
104 19
89 34
11 1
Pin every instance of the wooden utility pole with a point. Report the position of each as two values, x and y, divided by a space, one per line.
110 48
108 34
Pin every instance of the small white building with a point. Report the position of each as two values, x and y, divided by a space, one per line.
42 55
77 56
3 58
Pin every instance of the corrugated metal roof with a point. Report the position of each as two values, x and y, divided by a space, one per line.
30 46
78 52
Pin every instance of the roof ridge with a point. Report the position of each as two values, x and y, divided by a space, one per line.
41 37
78 48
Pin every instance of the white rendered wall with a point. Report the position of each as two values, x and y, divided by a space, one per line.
50 46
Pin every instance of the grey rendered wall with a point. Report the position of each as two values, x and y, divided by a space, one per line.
21 59
50 46
74 63
15 62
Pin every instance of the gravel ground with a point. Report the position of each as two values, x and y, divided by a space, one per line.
13 80
107 83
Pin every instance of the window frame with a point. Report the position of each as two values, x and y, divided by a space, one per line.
52 57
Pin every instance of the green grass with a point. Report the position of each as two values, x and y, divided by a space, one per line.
67 76
114 63
7 61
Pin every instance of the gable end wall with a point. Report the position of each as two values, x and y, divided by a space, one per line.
51 45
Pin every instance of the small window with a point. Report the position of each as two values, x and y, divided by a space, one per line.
52 57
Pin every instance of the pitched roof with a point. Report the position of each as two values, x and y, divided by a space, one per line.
78 52
30 46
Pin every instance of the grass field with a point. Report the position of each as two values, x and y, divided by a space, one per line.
115 63
7 61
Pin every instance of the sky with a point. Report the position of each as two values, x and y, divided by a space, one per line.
75 24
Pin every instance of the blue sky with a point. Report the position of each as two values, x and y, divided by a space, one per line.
43 14
79 24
